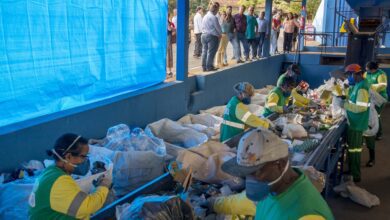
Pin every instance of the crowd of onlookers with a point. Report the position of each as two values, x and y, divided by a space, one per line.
215 29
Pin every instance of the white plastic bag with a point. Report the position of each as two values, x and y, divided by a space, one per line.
258 99
376 98
133 169
337 108
217 110
294 131
373 122
175 133
362 196
206 161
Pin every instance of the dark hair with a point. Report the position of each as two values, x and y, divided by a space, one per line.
229 7
64 142
199 8
295 68
372 65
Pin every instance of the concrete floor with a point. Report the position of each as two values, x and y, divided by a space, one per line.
375 180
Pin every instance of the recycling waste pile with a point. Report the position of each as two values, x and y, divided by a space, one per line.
189 154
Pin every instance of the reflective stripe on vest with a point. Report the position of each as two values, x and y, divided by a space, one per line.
246 116
356 150
233 124
362 104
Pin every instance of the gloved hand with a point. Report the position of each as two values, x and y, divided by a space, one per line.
285 109
271 124
208 204
103 181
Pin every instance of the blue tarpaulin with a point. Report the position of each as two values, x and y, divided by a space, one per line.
60 54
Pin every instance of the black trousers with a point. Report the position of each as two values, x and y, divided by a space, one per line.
198 45
287 43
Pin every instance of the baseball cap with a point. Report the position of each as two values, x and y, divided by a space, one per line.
255 148
244 87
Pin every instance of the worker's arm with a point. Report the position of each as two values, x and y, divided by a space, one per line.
66 197
272 103
299 98
362 102
243 113
337 90
237 204
382 83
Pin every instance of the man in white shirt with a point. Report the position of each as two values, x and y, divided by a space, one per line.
174 18
198 32
211 33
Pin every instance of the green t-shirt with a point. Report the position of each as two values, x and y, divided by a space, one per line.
251 24
300 200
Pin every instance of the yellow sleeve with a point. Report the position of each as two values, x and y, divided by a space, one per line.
237 204
362 102
272 103
66 197
312 217
382 83
299 100
243 114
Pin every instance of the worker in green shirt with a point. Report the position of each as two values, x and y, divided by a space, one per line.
277 99
377 79
56 195
280 191
357 108
237 116
293 71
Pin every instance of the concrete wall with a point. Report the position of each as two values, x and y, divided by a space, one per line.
30 139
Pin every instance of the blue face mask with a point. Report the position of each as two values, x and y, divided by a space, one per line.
82 168
246 100
351 81
257 190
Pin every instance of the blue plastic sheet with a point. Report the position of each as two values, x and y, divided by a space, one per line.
60 54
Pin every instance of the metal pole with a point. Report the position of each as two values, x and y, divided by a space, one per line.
182 40
268 17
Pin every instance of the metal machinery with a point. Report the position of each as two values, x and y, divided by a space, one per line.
363 36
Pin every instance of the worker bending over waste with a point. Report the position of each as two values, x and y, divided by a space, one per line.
357 108
281 192
277 99
237 116
56 194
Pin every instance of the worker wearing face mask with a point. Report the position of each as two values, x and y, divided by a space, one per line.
277 99
237 116
357 108
55 194
280 191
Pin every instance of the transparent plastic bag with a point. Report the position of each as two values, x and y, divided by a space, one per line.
156 208
175 133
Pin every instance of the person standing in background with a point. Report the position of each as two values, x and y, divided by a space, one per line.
171 30
211 33
198 32
174 18
250 34
276 23
262 33
239 31
295 35
230 31
289 25
226 26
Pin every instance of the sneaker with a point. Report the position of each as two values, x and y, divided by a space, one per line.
378 138
240 61
225 64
